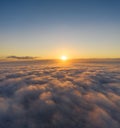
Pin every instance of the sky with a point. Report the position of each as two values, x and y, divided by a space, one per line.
51 28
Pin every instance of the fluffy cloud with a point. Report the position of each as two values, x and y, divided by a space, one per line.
42 94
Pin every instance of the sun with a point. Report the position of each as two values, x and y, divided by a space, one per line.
64 58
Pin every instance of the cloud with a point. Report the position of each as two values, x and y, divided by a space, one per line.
21 57
39 94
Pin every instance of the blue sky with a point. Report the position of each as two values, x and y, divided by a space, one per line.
51 28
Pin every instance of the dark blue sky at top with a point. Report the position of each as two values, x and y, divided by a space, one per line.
88 28
18 13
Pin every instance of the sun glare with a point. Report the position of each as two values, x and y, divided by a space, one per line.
64 58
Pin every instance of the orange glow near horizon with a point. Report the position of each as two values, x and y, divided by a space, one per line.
64 58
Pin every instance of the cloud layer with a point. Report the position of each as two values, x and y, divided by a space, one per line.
43 94
21 57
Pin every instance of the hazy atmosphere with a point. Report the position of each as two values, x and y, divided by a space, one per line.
49 28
